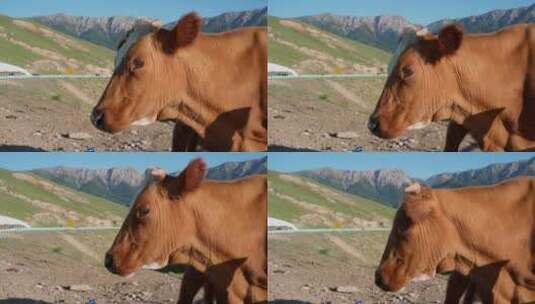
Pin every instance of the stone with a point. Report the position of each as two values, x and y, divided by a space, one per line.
79 135
345 135
79 287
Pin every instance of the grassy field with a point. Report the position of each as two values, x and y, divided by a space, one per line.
295 42
23 42
289 198
81 94
21 200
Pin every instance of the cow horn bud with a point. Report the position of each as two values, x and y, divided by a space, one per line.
413 188
156 23
156 174
423 32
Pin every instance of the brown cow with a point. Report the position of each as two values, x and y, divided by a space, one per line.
483 84
214 85
219 228
483 234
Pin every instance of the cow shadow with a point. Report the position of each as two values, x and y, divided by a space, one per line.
480 281
481 123
223 273
280 148
219 134
281 301
22 301
18 148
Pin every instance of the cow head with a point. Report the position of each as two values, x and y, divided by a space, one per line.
148 66
159 224
420 84
417 247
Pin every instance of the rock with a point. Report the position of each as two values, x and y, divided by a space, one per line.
345 135
79 287
346 289
79 135
11 116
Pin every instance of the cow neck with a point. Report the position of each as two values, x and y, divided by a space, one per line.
469 252
195 107
203 251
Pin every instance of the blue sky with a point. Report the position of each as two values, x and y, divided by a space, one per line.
168 161
420 165
166 10
418 11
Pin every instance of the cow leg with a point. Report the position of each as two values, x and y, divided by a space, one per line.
454 136
185 139
458 285
192 281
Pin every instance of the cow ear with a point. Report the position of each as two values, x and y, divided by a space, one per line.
156 174
450 39
192 176
416 204
183 33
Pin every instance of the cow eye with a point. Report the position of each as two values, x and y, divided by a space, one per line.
143 211
406 72
137 63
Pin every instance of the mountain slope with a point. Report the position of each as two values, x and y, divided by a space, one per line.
380 31
232 170
381 185
306 48
386 186
106 31
232 20
491 21
488 175
307 203
38 48
122 184
41 202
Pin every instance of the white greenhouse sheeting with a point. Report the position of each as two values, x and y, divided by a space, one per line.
277 69
8 68
276 224
12 222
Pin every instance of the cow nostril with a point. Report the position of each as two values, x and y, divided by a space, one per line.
379 280
108 262
373 124
97 117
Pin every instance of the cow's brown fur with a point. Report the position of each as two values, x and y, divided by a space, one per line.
485 234
214 83
219 228
483 83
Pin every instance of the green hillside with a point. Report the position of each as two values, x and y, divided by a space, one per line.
307 203
39 49
306 48
41 202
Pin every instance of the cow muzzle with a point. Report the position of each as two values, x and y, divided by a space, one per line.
109 263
